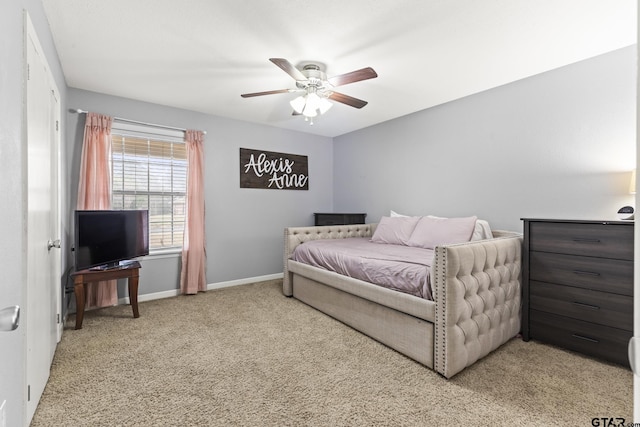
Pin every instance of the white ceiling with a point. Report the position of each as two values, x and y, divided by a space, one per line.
201 55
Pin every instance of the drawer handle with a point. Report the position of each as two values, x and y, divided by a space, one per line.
581 304
585 338
582 240
586 273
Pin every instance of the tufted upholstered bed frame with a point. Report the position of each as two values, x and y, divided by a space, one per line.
476 291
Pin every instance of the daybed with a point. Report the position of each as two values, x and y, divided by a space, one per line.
475 307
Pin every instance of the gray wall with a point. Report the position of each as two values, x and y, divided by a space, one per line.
244 227
560 145
12 175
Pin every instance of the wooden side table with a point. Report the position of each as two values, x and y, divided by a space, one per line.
80 278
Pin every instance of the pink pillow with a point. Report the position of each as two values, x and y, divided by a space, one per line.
430 232
395 231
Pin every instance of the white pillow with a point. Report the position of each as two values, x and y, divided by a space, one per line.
481 231
395 231
394 214
430 231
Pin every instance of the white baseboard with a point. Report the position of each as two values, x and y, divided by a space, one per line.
246 281
210 286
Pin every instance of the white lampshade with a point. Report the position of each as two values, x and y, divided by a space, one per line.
632 184
312 103
325 105
309 112
298 104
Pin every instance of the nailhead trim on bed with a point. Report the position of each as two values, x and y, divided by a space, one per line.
479 309
439 294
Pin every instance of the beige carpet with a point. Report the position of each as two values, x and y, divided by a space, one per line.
249 356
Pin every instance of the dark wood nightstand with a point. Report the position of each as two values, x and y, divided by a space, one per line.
339 218
578 285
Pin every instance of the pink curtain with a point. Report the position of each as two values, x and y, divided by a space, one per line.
94 192
194 257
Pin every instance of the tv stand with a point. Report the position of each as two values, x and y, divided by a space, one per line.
129 270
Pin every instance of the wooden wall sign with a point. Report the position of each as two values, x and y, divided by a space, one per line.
276 171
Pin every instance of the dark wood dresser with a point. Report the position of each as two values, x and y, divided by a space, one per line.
577 285
339 218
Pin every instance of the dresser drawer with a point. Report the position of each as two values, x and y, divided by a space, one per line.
584 337
583 304
600 274
588 239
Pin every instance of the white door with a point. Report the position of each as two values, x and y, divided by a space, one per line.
43 262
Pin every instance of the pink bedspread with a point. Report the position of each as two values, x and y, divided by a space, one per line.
401 268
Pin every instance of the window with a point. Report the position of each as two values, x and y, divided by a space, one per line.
149 171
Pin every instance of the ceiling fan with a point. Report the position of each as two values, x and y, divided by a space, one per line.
317 89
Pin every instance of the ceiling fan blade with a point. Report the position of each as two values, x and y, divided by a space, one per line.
348 100
288 68
354 76
269 92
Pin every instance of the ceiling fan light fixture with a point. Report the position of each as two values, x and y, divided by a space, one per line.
325 105
298 104
313 103
318 89
309 112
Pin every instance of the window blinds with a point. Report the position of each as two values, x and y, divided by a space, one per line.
149 171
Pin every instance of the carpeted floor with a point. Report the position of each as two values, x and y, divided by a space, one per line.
248 356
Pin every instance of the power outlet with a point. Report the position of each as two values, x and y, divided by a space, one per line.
3 414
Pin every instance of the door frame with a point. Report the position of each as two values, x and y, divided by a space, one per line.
52 261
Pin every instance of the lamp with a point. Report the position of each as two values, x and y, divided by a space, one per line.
310 104
627 212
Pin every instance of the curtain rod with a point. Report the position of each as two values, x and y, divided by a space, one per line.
79 111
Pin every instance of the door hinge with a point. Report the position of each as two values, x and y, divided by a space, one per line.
28 72
58 318
29 393
57 125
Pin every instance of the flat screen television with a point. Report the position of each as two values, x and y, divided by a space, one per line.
104 238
